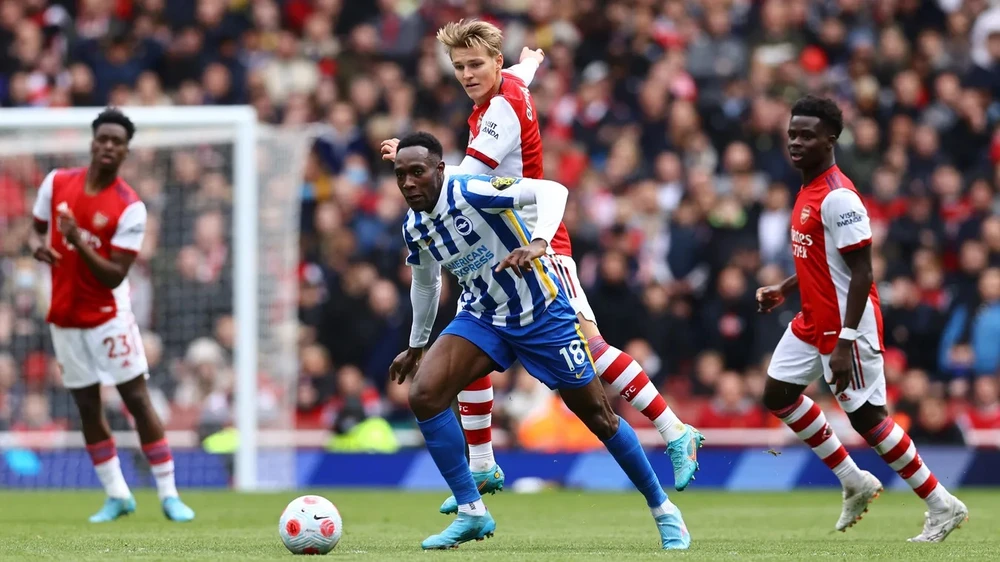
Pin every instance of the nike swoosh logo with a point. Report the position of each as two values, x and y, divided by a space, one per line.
318 517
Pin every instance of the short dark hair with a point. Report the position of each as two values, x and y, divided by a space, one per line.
421 138
824 109
114 116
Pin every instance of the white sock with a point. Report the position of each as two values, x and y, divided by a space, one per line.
476 508
669 425
848 473
938 499
110 475
664 509
481 457
166 487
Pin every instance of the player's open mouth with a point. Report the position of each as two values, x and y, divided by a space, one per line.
107 158
795 156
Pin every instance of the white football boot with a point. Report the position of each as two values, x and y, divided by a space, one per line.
937 526
856 500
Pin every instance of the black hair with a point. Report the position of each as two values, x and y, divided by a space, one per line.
824 109
114 116
423 139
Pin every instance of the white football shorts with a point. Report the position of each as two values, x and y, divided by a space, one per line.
797 362
109 354
565 267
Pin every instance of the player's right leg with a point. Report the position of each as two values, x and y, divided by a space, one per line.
80 376
864 400
794 365
627 378
466 351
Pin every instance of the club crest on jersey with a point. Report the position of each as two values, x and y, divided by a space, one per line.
100 221
804 215
463 225
502 183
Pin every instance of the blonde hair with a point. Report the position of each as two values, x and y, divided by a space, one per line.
472 34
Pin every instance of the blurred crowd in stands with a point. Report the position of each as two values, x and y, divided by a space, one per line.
666 120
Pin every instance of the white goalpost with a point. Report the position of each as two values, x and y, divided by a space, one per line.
263 167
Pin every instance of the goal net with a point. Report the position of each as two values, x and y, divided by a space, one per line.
214 292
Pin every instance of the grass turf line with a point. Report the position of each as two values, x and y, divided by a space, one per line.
557 526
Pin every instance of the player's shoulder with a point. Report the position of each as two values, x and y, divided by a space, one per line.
839 180
126 194
63 176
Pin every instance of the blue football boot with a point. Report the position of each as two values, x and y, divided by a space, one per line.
673 532
488 482
464 528
176 510
113 509
683 453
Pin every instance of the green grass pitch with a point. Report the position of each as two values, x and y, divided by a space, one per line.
559 526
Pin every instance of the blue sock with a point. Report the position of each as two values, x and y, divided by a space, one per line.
446 444
625 448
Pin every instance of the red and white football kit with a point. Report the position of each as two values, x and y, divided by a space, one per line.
828 220
94 333
505 137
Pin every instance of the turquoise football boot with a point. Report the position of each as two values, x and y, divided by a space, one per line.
176 510
683 453
488 482
464 528
113 509
674 534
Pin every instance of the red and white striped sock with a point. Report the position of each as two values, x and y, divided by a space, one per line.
808 422
104 455
161 463
475 404
898 451
627 378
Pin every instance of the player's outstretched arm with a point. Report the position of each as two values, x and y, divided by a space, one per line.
525 69
508 194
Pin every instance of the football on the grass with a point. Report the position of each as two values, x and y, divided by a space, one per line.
310 525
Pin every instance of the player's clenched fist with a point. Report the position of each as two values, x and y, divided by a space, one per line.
405 364
769 298
522 257
389 149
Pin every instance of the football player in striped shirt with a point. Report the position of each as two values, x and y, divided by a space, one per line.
505 140
512 308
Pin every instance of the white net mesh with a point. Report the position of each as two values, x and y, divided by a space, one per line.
182 297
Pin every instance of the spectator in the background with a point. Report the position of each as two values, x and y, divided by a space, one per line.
969 344
731 407
934 425
911 324
984 410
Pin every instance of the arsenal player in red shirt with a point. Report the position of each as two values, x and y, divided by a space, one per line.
99 227
838 333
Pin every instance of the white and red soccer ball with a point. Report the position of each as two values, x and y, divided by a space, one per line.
310 525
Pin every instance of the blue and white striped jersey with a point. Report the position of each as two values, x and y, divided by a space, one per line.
476 224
